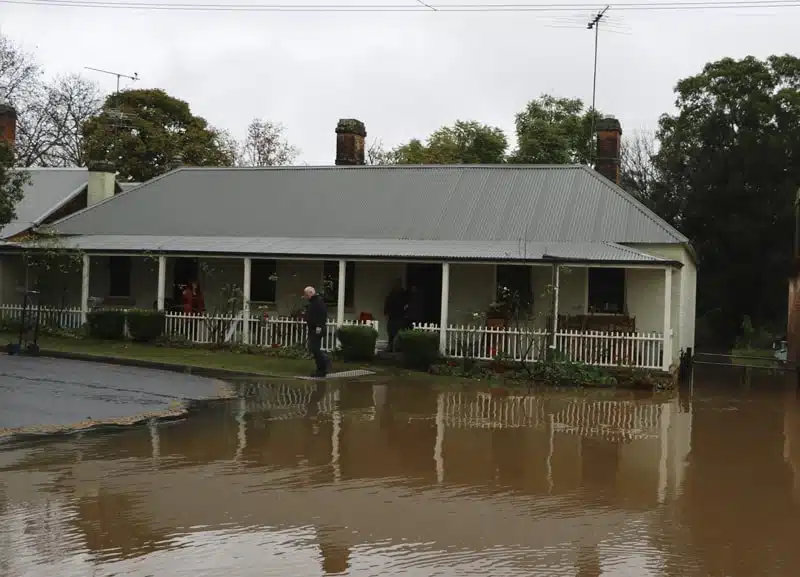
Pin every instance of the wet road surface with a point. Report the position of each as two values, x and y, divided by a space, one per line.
39 393
368 480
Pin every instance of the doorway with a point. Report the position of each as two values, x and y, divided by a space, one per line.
427 278
185 271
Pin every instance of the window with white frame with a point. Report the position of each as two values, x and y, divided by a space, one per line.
606 290
263 280
330 283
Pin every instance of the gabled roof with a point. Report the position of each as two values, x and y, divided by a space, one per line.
537 203
48 190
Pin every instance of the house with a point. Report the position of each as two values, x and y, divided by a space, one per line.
610 282
50 195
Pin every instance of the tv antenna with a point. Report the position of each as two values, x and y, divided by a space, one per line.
594 24
119 75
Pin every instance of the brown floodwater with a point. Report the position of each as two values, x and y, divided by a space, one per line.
369 480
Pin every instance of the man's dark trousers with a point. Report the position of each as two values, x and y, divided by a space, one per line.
395 326
320 358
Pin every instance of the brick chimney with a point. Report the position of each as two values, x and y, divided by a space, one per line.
609 139
102 182
350 135
8 124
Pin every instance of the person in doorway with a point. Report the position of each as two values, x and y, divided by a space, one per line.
316 320
193 302
394 308
415 312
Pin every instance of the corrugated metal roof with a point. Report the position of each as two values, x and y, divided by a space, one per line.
364 248
474 202
48 189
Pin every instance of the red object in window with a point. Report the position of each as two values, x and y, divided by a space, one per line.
364 317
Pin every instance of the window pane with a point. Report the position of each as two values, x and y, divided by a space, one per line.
515 280
263 281
606 290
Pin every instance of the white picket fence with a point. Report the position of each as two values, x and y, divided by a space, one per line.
58 318
271 332
605 349
204 329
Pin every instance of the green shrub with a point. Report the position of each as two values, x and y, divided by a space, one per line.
146 326
106 324
420 349
357 342
566 374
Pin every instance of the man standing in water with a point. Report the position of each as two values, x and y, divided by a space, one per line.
316 320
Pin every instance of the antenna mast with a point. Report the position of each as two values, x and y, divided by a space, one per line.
594 24
119 75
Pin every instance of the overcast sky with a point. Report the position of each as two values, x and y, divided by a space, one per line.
403 74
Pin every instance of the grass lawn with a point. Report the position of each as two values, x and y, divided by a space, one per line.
261 364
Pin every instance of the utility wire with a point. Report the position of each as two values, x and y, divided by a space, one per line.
417 7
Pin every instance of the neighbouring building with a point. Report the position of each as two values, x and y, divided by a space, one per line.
609 281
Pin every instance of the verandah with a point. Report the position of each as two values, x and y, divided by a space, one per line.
477 339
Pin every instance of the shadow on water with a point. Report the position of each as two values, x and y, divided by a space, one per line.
366 479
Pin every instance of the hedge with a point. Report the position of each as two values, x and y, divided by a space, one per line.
419 349
106 324
146 326
357 342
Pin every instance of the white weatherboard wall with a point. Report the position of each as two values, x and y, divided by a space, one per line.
684 291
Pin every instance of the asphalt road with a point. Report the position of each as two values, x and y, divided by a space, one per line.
49 395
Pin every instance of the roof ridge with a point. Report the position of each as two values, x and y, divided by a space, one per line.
508 166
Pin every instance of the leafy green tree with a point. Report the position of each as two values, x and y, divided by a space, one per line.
142 132
729 166
466 142
552 130
12 184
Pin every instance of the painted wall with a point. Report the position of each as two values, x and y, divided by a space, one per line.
684 291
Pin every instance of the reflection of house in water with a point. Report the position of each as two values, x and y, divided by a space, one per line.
553 475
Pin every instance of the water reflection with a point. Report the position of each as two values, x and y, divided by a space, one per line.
377 480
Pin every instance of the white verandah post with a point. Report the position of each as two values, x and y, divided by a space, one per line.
87 263
248 272
341 292
556 282
666 359
443 322
162 282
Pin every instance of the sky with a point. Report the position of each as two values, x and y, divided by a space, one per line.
403 74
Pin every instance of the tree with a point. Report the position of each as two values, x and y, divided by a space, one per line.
19 72
466 142
377 155
553 130
49 114
143 132
265 145
50 128
12 184
729 162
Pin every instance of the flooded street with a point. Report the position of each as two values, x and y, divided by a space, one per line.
372 480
